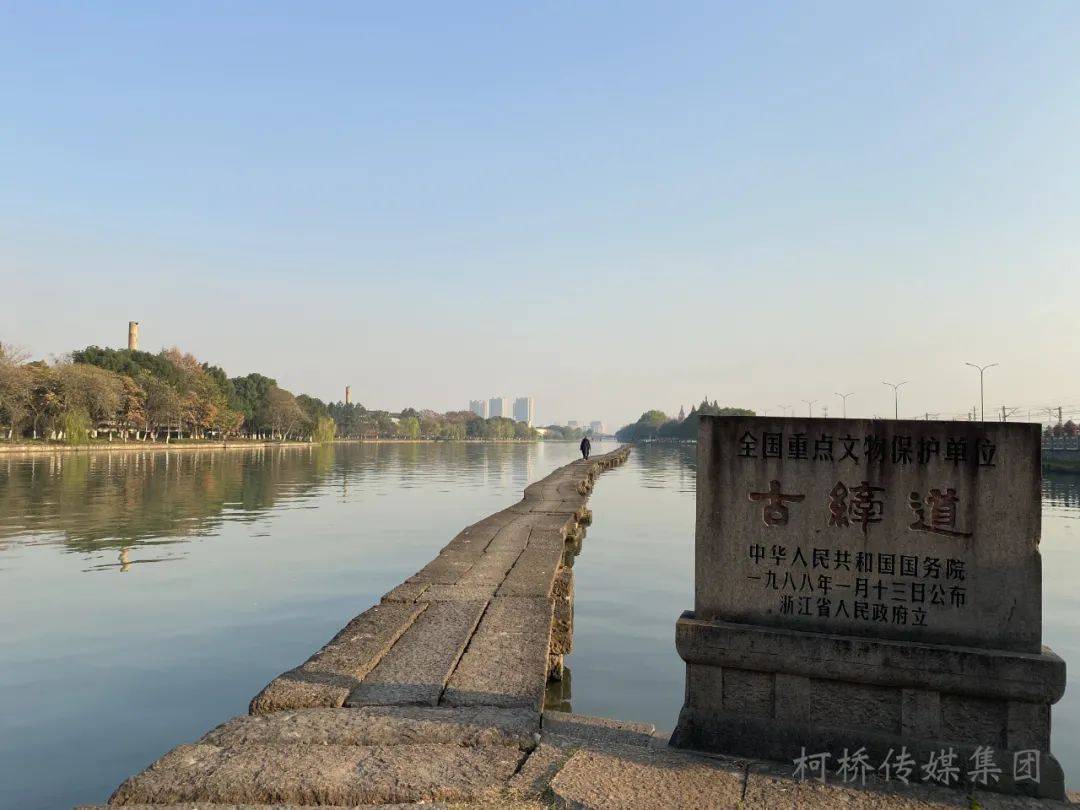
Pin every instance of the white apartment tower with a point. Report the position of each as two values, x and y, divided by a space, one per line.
525 410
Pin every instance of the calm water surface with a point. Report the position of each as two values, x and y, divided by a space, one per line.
146 597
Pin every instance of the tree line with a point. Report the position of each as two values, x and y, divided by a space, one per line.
106 393
654 424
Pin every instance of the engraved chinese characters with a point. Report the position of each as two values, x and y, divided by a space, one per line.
871 589
775 511
935 497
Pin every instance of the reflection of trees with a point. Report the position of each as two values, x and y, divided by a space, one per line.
116 500
664 464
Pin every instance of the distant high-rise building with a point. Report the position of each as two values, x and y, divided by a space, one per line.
596 427
525 410
499 406
133 335
573 423
479 407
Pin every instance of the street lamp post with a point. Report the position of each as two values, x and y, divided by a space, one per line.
810 406
896 396
843 399
784 409
982 399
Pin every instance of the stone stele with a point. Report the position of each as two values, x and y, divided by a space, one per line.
874 585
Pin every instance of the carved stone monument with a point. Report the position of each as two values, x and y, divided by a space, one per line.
872 585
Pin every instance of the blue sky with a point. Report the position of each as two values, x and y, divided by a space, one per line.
610 206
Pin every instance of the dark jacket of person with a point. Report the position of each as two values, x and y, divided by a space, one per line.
586 446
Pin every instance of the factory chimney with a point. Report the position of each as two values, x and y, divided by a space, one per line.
348 395
133 335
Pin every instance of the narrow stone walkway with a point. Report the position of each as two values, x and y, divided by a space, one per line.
435 697
434 694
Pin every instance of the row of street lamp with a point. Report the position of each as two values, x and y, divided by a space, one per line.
810 403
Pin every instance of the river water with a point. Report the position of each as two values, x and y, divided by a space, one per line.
146 597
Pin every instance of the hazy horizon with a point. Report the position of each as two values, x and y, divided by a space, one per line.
609 208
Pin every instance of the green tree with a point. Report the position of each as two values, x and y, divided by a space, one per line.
324 430
409 427
75 426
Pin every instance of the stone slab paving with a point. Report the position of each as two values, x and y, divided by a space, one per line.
206 806
321 774
533 574
416 669
507 660
433 695
327 678
645 778
384 725
588 762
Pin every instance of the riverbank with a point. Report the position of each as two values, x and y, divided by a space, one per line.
47 448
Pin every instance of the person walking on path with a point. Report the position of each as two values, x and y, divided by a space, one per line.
586 446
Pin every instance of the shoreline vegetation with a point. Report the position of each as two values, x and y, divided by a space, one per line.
42 447
656 425
95 397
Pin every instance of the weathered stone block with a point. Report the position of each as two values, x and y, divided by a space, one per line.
562 626
845 700
322 774
534 571
327 677
884 576
383 725
506 663
416 669
644 778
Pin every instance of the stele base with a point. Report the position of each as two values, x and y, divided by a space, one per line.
770 693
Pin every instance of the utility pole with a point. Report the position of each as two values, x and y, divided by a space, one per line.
825 411
896 396
982 399
810 403
843 400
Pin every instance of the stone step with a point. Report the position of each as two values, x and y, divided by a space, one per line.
416 669
321 774
327 678
383 725
506 661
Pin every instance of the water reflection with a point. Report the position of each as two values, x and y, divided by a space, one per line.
98 501
270 552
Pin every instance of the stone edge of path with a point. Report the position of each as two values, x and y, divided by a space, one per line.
490 595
